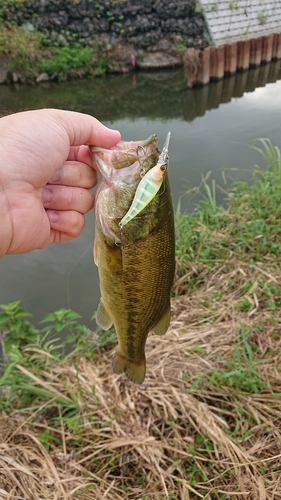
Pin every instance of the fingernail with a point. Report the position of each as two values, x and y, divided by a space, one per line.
53 216
56 176
47 195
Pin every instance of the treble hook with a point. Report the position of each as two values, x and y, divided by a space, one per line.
138 149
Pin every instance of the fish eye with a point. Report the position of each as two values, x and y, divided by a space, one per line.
163 167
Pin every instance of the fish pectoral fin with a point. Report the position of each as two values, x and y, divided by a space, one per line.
103 319
163 325
134 370
96 252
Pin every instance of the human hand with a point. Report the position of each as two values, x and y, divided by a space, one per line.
46 173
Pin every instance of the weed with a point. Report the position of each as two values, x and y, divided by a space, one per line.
20 45
5 4
27 52
198 8
245 305
232 5
194 473
28 350
247 229
16 331
180 46
262 17
68 57
241 372
207 36
213 7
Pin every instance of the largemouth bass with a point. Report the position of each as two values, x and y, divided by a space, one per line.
134 248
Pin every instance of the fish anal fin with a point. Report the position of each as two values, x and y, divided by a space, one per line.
162 326
96 252
134 370
103 319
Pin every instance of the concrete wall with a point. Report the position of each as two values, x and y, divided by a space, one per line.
230 21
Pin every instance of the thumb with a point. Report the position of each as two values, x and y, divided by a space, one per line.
84 129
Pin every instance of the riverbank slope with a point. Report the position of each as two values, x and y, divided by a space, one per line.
77 38
207 422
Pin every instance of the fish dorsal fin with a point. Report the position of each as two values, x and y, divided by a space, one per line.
103 319
162 326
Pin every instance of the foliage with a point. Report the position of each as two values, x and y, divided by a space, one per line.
213 7
232 5
17 331
6 3
241 372
28 347
248 228
262 17
28 52
180 46
68 57
20 45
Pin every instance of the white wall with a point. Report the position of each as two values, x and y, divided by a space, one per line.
229 21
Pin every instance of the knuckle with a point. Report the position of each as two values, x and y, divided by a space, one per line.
91 201
70 198
77 223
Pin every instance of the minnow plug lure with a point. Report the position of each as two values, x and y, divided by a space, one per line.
149 185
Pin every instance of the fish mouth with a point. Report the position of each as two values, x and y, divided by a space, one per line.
121 168
125 154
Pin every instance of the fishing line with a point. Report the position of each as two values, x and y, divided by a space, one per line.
162 192
162 204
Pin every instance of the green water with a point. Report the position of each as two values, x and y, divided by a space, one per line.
212 128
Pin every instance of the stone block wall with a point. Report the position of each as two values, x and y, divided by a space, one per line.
141 23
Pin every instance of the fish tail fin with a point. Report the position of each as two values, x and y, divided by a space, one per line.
134 370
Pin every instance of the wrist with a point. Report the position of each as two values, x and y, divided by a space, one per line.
5 224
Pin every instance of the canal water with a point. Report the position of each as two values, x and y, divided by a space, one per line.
212 130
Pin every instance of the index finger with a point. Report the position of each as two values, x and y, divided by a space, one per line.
85 129
81 154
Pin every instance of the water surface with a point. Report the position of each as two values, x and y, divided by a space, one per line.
212 128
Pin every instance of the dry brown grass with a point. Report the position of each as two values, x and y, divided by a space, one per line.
191 60
184 434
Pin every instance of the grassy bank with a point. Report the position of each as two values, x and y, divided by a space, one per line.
32 52
207 421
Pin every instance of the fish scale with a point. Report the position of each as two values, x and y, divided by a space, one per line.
140 310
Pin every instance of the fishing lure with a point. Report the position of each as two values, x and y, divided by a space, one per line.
149 185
